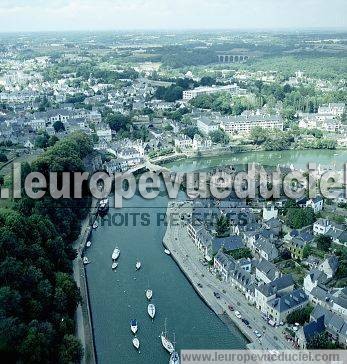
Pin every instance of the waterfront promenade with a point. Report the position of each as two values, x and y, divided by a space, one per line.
84 327
189 259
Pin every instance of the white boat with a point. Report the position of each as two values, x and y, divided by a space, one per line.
151 310
167 344
114 265
149 294
133 326
174 358
136 343
138 265
95 225
167 251
85 260
88 244
115 253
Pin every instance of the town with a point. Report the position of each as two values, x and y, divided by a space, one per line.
171 101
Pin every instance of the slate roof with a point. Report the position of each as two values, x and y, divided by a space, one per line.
277 285
313 328
289 300
268 268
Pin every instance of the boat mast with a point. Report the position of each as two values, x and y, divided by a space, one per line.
174 341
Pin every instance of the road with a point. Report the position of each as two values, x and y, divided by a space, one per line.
190 261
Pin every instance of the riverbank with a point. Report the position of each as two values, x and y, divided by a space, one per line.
84 324
189 260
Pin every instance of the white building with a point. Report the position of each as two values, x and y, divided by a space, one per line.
206 125
190 94
200 143
183 142
104 132
244 124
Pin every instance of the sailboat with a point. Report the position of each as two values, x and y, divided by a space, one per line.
149 294
167 344
136 343
133 326
138 265
174 358
115 253
151 310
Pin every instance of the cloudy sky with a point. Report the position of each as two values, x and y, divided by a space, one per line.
37 15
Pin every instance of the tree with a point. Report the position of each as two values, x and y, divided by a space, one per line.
70 350
117 121
41 140
219 136
258 135
323 242
300 217
222 226
58 126
3 157
301 316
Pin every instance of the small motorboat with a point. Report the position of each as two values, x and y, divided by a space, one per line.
149 294
88 244
86 260
133 326
138 265
95 225
114 265
167 251
174 358
151 310
115 253
136 343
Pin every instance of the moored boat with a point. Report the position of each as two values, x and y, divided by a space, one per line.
95 225
103 206
167 251
151 310
136 343
174 358
133 326
86 260
149 294
114 265
115 253
88 244
138 265
167 344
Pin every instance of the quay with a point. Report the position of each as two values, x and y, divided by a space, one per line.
84 325
205 283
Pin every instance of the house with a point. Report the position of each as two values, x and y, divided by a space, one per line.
329 266
321 226
269 212
296 247
104 132
206 125
338 234
183 142
334 324
316 203
200 143
265 249
266 271
282 305
309 331
224 264
265 293
314 278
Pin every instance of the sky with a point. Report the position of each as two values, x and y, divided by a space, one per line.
62 15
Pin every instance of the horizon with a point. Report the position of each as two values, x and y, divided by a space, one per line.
148 15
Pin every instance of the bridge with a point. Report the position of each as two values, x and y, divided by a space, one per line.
232 58
148 166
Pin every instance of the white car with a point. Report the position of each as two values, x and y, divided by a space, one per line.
237 314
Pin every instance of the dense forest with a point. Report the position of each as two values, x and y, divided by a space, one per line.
38 296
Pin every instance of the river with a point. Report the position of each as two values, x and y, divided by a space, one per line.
117 297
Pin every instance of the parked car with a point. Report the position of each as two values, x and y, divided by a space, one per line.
237 314
246 322
200 285
216 294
